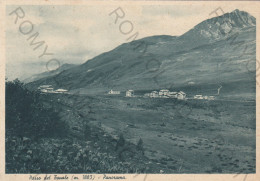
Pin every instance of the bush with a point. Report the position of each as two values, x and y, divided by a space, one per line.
120 142
140 146
87 132
26 116
31 148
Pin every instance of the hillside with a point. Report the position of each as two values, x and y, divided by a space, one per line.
209 55
48 73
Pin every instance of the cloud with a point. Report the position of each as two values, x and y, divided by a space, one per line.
173 11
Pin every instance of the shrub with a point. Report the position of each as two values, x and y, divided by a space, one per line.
140 146
87 132
120 142
26 116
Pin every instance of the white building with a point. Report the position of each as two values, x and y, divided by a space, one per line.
181 95
44 91
211 98
163 92
129 93
204 97
154 94
113 92
61 91
46 88
49 89
173 94
191 83
147 94
198 97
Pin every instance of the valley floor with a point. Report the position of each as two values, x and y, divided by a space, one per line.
194 136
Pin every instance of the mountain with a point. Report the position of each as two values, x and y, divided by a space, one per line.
48 73
220 51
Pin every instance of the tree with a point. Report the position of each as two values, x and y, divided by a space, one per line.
120 142
140 145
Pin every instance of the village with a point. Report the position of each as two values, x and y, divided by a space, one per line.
50 89
164 93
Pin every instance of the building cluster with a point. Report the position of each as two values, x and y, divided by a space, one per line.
204 97
164 93
129 93
114 92
154 94
50 89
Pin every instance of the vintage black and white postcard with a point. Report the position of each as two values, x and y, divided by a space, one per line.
129 90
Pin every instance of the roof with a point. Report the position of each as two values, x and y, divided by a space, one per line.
164 90
61 90
154 92
44 86
173 92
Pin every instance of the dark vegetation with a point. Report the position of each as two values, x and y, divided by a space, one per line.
27 117
38 140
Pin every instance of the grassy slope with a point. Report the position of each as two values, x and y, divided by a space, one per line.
82 149
130 66
196 136
179 137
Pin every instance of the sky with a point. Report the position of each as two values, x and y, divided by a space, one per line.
75 34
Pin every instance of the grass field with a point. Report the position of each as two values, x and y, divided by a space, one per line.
192 136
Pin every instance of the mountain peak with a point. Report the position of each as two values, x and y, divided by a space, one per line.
235 19
242 17
239 12
222 26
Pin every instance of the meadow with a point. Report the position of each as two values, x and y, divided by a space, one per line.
65 133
